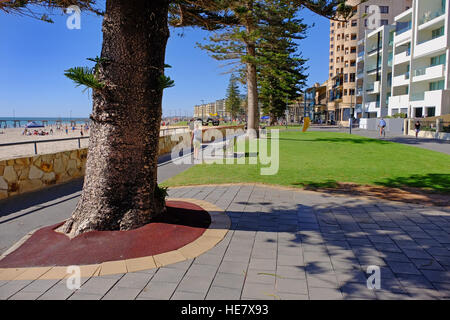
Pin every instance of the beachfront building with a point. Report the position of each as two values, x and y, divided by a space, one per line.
420 85
212 108
346 40
316 104
375 78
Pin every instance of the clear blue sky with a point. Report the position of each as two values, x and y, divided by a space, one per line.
34 55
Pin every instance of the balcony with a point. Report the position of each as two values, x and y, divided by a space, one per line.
402 80
429 73
372 68
372 106
403 57
399 101
373 50
429 47
429 16
374 88
429 98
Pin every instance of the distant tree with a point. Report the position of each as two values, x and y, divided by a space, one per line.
233 101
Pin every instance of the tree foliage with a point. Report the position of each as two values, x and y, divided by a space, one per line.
233 100
281 70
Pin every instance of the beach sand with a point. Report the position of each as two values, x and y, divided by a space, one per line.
11 135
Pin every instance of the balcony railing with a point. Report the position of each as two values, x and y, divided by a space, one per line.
431 15
361 54
402 28
420 71
418 96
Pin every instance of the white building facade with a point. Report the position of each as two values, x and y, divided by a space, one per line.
377 72
420 75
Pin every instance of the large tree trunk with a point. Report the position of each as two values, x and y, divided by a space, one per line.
120 189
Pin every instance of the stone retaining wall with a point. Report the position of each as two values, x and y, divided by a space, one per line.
24 174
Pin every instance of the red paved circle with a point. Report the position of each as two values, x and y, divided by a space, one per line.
183 223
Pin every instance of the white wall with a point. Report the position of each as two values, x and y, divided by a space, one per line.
392 125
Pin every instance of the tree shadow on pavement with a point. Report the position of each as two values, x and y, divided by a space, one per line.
328 248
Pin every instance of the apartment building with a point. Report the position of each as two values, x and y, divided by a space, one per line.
376 75
212 108
346 40
316 100
420 83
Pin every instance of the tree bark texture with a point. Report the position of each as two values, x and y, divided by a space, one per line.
119 191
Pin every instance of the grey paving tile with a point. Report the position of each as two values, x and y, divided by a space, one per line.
196 284
295 286
57 292
223 293
233 267
85 296
262 264
184 295
403 268
325 293
96 286
258 291
229 280
199 270
173 275
122 293
158 290
12 287
322 280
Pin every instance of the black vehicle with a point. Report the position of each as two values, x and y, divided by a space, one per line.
213 121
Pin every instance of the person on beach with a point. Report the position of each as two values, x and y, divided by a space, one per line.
196 138
67 130
417 128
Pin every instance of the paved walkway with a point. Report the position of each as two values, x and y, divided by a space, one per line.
282 244
430 144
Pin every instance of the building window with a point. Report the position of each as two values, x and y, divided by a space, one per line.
437 85
384 9
384 22
331 75
352 77
431 111
437 33
354 23
435 61
346 77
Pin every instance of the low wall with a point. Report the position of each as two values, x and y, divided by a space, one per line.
24 174
392 125
431 135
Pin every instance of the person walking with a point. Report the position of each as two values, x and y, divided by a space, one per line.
196 138
417 128
382 126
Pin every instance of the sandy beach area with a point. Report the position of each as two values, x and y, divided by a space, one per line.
11 135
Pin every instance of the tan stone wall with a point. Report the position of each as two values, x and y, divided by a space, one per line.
26 174
32 173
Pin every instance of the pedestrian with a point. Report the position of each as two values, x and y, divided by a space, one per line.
382 126
417 128
196 138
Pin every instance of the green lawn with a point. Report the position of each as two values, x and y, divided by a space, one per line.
323 158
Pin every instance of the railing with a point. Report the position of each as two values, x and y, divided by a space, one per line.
430 16
418 96
403 29
361 54
35 142
420 71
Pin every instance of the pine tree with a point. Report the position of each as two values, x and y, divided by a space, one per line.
120 190
233 101
281 71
